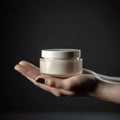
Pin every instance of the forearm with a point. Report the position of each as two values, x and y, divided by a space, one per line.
108 92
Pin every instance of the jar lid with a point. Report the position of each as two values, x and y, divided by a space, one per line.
61 53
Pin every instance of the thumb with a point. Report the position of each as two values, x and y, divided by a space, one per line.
50 81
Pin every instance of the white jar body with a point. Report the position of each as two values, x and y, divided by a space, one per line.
61 67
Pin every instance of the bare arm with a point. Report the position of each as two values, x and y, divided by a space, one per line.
86 84
108 92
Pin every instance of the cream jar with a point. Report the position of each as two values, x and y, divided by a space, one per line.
61 62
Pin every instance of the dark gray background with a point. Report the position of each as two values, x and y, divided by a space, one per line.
29 26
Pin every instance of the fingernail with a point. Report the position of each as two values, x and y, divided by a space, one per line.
40 80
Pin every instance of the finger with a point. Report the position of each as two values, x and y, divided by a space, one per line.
31 73
32 80
29 65
66 92
52 81
52 90
55 91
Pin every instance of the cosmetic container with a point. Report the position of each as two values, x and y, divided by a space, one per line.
61 62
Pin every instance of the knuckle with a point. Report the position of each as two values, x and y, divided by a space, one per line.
50 82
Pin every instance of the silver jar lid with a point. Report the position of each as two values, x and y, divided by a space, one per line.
61 53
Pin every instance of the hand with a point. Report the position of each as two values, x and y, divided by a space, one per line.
75 85
84 84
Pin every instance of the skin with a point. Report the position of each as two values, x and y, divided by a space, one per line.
85 84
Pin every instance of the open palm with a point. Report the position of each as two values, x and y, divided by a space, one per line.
82 84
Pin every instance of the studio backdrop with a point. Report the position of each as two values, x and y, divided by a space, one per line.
30 26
